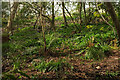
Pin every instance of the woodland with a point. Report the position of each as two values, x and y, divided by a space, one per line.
61 40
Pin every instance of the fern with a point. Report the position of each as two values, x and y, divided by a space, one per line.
51 65
53 38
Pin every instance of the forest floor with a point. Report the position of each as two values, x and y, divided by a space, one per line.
105 69
24 59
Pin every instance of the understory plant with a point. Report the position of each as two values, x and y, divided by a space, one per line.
52 65
97 52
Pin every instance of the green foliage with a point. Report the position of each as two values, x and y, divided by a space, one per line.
62 25
23 74
25 37
10 75
111 74
51 65
60 18
96 14
68 18
94 53
97 52
89 26
75 15
28 41
53 38
4 22
5 47
71 25
13 77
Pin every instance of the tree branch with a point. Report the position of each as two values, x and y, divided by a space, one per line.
105 20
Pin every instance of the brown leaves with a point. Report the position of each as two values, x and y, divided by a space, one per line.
90 42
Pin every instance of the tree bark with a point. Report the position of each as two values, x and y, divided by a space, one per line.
80 9
43 27
119 11
89 16
65 21
114 17
36 20
11 17
85 13
53 17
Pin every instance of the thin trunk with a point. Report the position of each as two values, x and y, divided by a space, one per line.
119 11
80 9
114 17
43 27
85 13
89 13
65 21
11 17
53 17
71 17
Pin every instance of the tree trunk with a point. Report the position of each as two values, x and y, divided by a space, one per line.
11 17
114 17
65 21
119 11
80 9
89 16
85 13
53 17
43 27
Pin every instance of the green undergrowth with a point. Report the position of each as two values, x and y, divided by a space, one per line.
52 65
29 41
92 40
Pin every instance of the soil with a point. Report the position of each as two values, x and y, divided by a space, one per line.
84 69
